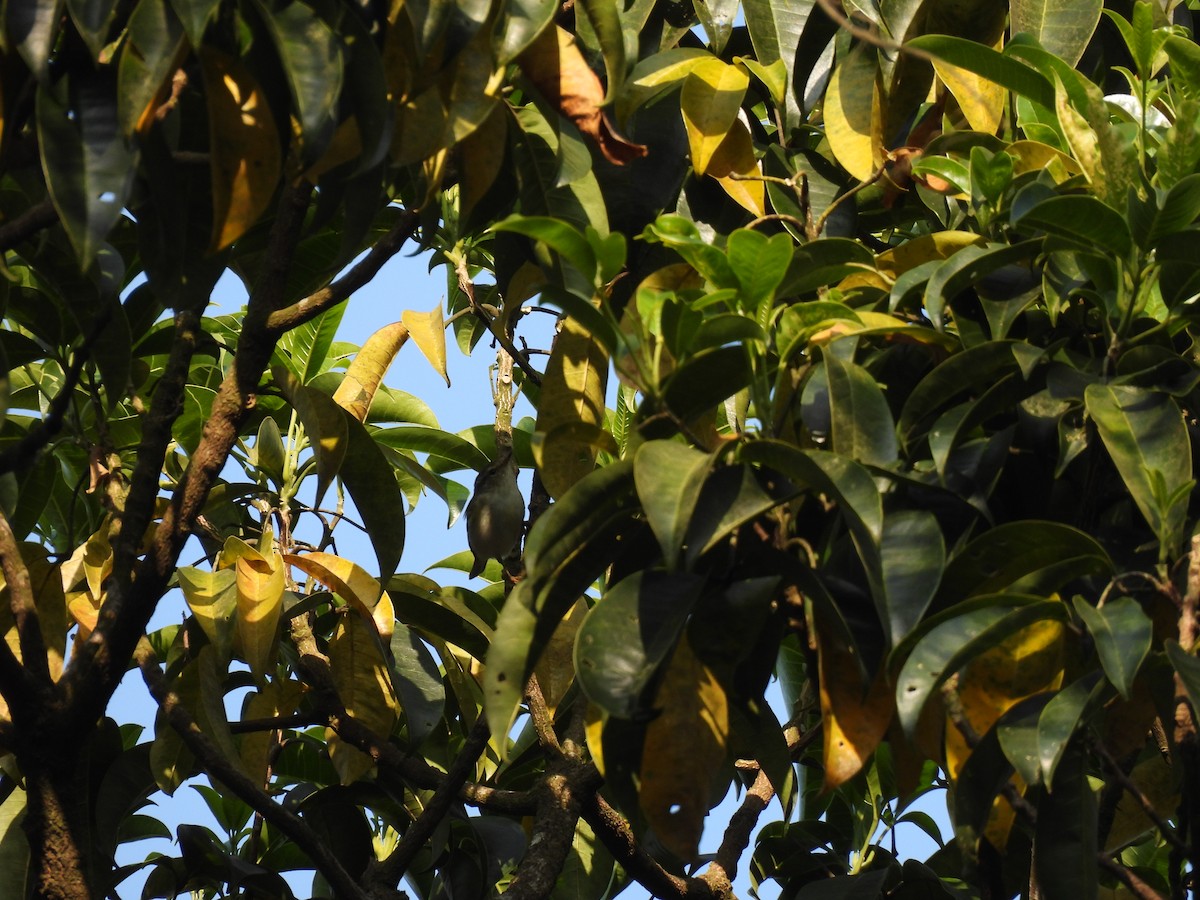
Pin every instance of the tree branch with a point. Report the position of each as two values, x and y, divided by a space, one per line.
26 225
614 832
239 783
368 267
99 662
274 723
553 833
1130 786
1128 877
23 605
723 869
389 872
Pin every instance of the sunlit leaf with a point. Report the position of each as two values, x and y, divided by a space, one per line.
245 157
428 332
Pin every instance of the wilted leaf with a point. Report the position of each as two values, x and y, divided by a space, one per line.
212 598
277 698
677 775
360 674
553 63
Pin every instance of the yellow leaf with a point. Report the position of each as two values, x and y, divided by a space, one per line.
384 617
980 100
855 714
278 698
244 151
1024 664
364 685
891 264
853 121
595 736
233 550
572 393
345 146
481 157
684 751
428 331
97 561
735 157
1034 156
212 598
367 369
347 579
260 585
710 101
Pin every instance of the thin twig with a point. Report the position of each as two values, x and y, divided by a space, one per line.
1130 786
467 286
723 869
1129 878
276 723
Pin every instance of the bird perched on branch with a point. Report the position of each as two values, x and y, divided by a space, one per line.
496 513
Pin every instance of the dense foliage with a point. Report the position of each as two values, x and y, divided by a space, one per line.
897 300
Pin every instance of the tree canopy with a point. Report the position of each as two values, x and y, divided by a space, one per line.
874 373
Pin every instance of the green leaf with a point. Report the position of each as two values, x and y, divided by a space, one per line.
306 347
1084 219
92 19
435 442
604 19
32 27
912 555
312 58
974 369
418 683
760 264
325 425
523 21
372 485
775 30
568 548
990 64
14 846
1060 720
954 642
1063 29
862 427
627 636
195 15
1123 633
1065 840
1045 554
966 267
559 236
706 379
588 870
1146 437
668 477
438 617
155 38
89 168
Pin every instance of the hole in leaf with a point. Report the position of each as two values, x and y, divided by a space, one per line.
108 197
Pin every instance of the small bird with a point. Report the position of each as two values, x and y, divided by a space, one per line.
496 513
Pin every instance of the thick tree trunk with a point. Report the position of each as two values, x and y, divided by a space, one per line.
55 824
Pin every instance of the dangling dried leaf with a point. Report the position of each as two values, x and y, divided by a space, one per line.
366 371
556 66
